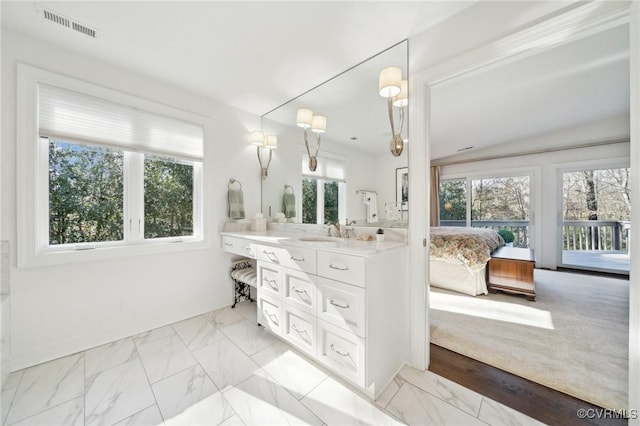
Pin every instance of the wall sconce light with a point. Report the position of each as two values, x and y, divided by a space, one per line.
262 142
318 125
395 89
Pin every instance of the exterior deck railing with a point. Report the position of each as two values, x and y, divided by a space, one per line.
611 235
601 235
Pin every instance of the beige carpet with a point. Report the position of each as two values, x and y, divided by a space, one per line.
573 338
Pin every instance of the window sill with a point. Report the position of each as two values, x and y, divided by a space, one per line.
72 254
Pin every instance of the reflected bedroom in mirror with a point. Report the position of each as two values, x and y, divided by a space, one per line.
340 146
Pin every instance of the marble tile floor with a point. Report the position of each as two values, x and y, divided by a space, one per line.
220 368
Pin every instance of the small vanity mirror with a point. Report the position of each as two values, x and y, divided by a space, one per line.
355 176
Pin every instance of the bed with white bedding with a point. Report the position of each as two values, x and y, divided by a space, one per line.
458 258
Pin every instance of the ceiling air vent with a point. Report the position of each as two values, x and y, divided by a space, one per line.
465 149
72 24
84 29
54 17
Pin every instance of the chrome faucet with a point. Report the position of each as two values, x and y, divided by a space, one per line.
335 226
348 231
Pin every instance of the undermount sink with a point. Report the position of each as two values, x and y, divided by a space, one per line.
322 240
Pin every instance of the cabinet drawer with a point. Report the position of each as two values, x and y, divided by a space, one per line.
296 258
511 273
269 279
341 351
270 314
341 267
237 246
342 305
300 259
299 290
300 329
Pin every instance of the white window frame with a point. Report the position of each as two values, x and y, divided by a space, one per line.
33 247
320 181
342 196
468 177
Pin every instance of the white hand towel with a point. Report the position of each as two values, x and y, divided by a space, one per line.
372 207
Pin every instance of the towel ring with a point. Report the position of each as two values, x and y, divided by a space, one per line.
288 188
232 181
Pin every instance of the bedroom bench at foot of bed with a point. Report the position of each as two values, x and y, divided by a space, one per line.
511 271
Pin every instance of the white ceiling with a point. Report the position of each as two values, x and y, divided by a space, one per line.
257 55
251 55
581 82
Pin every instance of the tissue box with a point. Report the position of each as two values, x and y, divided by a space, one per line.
258 224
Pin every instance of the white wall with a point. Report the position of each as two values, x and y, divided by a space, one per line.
385 169
5 342
62 309
610 129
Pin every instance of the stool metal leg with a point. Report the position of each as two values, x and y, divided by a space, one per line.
241 290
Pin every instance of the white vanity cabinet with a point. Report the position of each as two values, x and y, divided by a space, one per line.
286 278
237 245
346 311
295 258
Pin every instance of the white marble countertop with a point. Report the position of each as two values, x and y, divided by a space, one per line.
351 246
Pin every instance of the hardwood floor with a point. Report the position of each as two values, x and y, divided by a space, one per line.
540 402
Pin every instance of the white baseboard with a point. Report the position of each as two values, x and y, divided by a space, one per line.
72 346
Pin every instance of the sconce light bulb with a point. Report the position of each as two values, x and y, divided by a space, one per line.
271 142
390 82
402 99
257 138
304 118
319 124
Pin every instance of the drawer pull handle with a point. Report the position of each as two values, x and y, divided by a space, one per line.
338 305
272 283
300 332
297 259
272 317
297 290
228 244
339 268
248 248
338 351
272 256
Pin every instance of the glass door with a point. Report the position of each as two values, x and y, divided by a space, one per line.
595 219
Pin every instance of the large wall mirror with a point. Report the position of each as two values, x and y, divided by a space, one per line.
354 159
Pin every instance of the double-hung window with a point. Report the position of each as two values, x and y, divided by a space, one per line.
103 170
324 191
